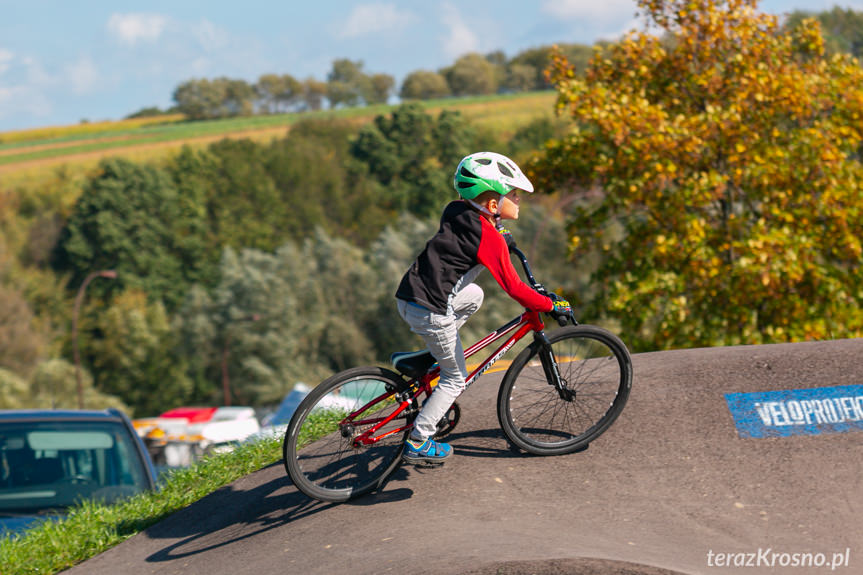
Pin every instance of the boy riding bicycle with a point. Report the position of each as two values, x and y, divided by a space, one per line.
437 294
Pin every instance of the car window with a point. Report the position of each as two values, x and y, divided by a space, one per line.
54 464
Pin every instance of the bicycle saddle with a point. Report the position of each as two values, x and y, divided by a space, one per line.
412 363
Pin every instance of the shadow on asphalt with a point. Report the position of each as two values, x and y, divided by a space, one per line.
672 484
210 523
487 443
233 514
483 443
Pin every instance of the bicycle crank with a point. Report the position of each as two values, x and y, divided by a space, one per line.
448 422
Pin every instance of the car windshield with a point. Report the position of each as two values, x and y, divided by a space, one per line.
286 409
50 465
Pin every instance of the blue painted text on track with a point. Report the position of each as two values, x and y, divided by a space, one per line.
797 411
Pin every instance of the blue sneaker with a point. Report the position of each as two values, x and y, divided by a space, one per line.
428 451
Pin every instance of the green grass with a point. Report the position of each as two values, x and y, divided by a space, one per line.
318 424
59 142
91 528
161 132
85 128
137 137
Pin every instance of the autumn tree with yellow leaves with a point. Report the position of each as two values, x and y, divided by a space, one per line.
718 161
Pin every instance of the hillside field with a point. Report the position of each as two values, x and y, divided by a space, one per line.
30 155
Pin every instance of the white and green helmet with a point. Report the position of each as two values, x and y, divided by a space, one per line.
488 171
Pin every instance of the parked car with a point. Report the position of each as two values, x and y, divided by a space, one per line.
181 436
282 415
275 423
53 459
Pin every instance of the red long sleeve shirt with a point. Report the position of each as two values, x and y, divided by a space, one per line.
465 242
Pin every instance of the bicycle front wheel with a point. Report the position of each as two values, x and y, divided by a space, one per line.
320 453
596 375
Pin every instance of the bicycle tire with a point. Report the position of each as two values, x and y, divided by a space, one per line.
320 460
594 363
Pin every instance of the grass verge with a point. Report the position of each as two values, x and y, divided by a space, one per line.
91 528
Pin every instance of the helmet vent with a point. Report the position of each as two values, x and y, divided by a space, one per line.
483 161
505 171
463 185
467 173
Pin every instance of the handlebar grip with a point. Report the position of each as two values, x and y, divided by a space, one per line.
562 320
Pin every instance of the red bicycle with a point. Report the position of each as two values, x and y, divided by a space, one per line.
560 393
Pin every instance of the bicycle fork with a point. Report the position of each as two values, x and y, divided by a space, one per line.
550 367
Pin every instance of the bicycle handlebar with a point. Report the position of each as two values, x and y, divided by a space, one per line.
520 255
561 320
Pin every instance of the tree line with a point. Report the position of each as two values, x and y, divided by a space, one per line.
282 257
702 188
347 84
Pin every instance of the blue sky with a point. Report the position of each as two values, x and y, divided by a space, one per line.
62 62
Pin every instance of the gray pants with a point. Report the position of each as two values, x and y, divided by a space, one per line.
440 333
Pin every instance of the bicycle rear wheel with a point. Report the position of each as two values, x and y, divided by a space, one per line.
596 371
319 451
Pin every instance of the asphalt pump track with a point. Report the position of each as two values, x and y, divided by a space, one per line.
673 487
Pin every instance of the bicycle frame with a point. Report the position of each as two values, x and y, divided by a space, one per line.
529 321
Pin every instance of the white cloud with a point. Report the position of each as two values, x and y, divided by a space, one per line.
597 13
209 36
30 90
459 39
35 73
5 60
200 66
606 20
136 27
23 101
5 97
82 75
375 18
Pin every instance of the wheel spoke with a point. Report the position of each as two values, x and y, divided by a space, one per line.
320 460
592 364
